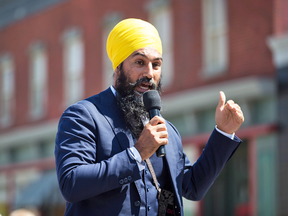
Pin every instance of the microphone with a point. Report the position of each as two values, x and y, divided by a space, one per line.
152 103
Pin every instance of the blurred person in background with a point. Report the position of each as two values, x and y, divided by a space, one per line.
24 212
105 146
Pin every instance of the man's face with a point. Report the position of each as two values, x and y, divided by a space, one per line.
143 63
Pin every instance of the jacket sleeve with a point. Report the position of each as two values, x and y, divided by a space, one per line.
199 177
79 175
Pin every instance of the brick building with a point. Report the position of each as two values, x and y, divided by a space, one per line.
52 54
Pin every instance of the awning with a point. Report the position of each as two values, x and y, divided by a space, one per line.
42 192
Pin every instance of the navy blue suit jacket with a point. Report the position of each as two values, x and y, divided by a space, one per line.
92 160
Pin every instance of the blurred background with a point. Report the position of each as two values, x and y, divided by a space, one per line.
53 53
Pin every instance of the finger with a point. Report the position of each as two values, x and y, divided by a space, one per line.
222 99
162 141
157 120
240 115
161 127
232 105
163 135
237 107
230 102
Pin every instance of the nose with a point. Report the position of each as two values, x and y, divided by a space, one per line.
148 72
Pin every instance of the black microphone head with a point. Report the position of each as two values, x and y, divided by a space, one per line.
152 100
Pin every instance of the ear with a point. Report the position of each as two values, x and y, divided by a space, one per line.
116 75
118 68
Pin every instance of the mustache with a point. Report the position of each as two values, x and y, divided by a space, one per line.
151 82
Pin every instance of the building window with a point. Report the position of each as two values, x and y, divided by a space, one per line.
215 58
38 80
73 66
7 90
160 15
109 21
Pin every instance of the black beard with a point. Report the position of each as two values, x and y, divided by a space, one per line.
131 103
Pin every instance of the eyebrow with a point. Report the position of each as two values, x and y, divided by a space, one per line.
141 54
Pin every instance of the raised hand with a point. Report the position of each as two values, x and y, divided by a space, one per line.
229 117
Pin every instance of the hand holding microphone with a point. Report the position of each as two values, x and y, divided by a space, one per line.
152 103
154 135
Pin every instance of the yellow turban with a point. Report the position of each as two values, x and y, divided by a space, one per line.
129 35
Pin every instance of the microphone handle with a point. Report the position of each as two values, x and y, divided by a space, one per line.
161 150
154 112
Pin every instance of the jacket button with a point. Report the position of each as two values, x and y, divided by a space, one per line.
137 203
125 180
121 181
129 178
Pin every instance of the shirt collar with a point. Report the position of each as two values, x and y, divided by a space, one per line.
113 90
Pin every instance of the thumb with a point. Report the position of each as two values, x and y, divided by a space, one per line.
222 99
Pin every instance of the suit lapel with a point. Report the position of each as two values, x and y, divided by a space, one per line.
108 107
171 157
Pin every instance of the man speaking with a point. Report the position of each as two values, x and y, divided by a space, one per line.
106 145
